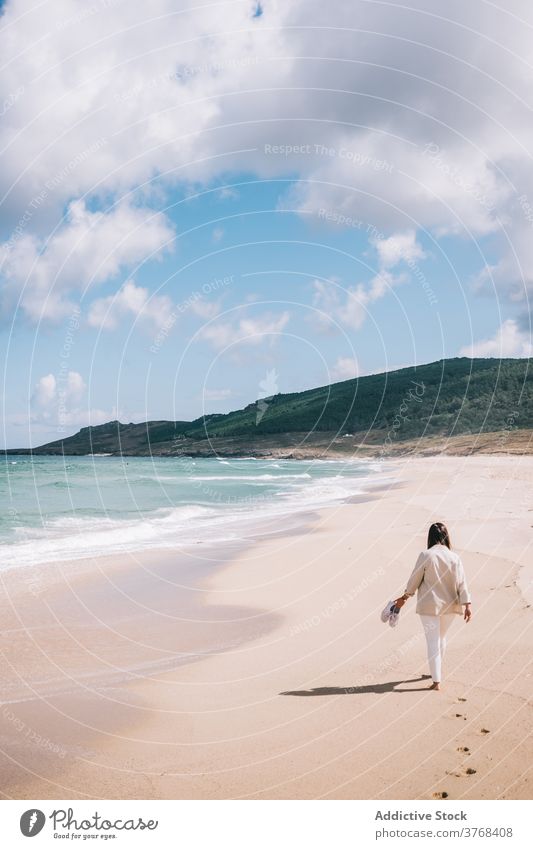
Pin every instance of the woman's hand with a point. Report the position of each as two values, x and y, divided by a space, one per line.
468 612
399 602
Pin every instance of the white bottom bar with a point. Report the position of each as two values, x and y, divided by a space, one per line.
267 824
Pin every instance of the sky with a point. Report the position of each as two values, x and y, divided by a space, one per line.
208 203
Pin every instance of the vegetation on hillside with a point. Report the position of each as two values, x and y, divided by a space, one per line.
443 399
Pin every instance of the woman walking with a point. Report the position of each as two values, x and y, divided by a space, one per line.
442 593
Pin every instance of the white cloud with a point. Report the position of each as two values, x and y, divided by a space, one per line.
382 283
88 249
130 301
418 133
260 330
218 335
55 400
206 309
55 403
115 93
349 305
69 387
508 341
345 368
45 390
400 247
254 329
228 193
337 304
75 386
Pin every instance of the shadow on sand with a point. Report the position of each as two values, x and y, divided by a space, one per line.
387 687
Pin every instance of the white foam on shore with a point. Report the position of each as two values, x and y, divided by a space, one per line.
75 537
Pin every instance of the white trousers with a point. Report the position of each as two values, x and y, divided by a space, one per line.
435 629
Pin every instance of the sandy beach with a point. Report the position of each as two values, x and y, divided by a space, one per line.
272 676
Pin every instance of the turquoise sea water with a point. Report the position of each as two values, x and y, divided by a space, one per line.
62 508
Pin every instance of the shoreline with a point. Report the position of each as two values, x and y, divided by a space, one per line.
320 700
326 445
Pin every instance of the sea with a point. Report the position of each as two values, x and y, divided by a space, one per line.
67 508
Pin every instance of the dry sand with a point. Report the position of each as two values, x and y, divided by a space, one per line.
303 692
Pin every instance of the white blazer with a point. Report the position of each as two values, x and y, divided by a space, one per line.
440 580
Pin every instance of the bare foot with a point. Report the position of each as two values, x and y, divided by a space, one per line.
435 686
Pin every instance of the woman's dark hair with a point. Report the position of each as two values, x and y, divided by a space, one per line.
438 535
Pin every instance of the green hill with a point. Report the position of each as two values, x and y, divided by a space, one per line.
447 397
443 399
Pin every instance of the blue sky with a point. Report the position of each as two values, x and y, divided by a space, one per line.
188 224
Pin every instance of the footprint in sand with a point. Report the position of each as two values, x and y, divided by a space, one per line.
485 731
461 699
471 771
440 795
464 749
459 715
